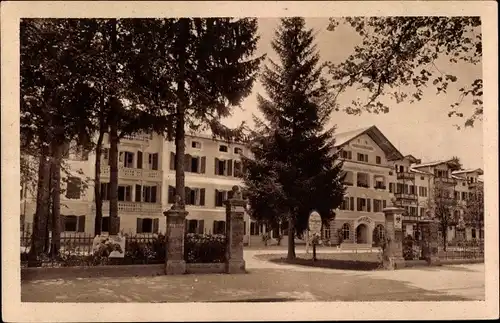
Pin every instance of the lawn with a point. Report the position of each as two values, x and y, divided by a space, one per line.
346 261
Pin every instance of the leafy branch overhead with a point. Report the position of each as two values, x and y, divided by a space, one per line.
399 57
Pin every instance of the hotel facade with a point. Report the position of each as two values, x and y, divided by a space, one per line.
377 175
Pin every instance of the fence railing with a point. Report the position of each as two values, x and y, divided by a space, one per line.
463 250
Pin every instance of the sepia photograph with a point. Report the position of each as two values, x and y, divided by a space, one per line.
265 161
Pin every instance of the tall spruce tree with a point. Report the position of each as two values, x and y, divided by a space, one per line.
294 169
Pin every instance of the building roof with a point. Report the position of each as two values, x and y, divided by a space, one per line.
376 135
419 171
433 163
466 171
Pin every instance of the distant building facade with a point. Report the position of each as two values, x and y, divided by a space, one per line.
377 175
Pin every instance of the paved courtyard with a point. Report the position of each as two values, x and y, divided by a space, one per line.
267 282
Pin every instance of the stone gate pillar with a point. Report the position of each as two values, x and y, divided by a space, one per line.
234 232
430 242
175 263
393 249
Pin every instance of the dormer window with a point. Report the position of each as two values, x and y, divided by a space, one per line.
223 148
238 150
196 144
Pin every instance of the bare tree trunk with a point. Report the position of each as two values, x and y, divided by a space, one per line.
181 110
445 236
113 181
97 185
291 239
55 243
115 108
42 199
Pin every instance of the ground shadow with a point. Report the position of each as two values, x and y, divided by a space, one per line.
330 263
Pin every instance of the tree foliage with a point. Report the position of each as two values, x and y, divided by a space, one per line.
442 205
474 207
398 58
294 169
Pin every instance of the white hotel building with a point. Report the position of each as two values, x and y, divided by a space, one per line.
377 174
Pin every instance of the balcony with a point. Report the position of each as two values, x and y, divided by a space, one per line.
132 207
411 218
445 180
404 196
361 184
380 187
134 173
138 137
405 176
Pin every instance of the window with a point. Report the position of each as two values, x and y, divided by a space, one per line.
363 157
153 161
238 169
223 148
473 233
147 225
194 164
345 204
413 189
105 191
105 224
238 150
391 187
422 211
377 205
128 159
223 167
219 227
195 196
326 233
172 161
421 178
73 189
149 194
254 229
422 191
378 160
348 179
384 204
345 231
464 196
363 180
72 223
456 195
363 204
413 211
220 197
346 154
171 194
124 193
196 144
195 226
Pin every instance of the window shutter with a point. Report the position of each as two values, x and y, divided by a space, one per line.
187 162
156 225
202 196
155 161
203 164
139 159
216 166
352 203
171 194
214 227
229 167
62 222
81 223
358 204
216 197
368 205
187 191
201 226
138 192
153 194
139 225
128 193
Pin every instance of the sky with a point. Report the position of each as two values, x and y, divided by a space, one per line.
422 129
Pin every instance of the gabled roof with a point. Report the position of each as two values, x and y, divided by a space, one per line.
466 171
419 171
412 159
376 135
434 163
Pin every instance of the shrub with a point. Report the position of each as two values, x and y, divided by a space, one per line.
408 251
205 248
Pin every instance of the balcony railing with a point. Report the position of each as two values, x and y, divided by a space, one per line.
404 196
138 137
405 175
361 184
133 173
133 207
445 180
411 218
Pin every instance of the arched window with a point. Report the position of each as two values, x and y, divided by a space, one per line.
345 231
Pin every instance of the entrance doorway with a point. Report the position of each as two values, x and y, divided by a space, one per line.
362 234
